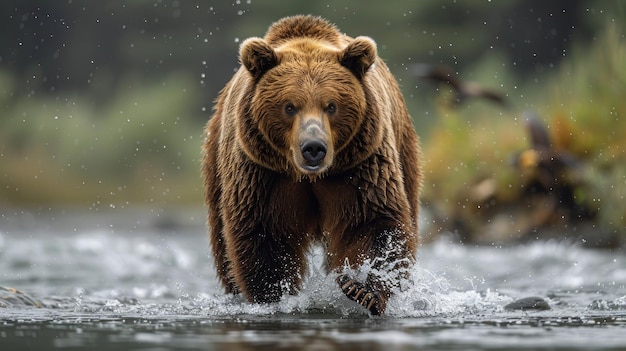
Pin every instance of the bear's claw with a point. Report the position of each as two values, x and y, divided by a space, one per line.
358 293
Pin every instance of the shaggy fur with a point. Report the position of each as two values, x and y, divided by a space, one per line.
310 141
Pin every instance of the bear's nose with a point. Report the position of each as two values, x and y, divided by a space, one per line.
313 151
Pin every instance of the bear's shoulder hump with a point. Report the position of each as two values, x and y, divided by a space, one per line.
302 27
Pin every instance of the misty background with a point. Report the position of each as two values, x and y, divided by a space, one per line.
103 103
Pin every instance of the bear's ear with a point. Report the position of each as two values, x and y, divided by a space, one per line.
358 56
257 56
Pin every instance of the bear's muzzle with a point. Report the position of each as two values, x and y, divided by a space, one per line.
313 154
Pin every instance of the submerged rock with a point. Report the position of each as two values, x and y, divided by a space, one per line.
528 303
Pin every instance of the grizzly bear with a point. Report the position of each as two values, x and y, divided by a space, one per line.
311 141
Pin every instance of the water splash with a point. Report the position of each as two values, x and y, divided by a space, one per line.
421 294
159 274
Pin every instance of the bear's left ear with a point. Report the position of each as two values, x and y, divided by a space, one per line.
257 56
359 56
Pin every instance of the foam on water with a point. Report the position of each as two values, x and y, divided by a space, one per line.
428 295
152 273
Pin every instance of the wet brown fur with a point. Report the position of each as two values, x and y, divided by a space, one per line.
264 210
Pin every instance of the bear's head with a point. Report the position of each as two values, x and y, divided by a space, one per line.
308 98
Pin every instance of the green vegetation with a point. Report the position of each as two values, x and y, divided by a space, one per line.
583 108
138 148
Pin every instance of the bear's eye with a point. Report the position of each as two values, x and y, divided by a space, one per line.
290 109
331 108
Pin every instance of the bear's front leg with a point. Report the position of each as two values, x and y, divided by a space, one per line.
265 266
390 252
265 233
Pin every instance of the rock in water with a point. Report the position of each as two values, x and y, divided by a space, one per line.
528 303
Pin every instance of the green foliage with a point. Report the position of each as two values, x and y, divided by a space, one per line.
583 107
590 120
144 145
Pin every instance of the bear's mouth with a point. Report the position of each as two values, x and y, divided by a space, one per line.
309 168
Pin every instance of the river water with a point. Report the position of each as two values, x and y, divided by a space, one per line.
143 280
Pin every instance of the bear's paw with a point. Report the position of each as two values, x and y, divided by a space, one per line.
358 293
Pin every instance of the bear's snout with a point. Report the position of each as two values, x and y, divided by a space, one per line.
313 148
313 151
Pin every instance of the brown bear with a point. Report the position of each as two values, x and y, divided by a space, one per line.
311 141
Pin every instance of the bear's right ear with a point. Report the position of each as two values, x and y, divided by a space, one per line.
257 56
